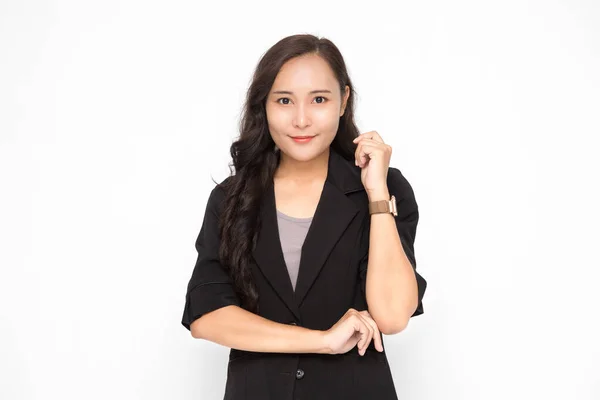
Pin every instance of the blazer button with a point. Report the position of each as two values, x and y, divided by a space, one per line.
299 374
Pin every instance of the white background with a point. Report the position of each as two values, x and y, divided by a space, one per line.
114 116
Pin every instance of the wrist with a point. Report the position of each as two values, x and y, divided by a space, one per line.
378 194
323 346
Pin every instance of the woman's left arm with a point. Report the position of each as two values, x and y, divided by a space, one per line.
393 288
391 283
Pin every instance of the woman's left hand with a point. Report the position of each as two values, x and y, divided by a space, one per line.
373 156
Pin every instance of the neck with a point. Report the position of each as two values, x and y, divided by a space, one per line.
290 168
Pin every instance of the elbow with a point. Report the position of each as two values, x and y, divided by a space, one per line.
208 324
392 327
195 335
390 321
195 329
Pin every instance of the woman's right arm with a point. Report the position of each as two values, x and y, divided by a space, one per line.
234 327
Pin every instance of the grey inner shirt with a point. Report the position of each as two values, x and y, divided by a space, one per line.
292 232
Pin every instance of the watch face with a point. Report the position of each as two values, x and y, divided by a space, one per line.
394 210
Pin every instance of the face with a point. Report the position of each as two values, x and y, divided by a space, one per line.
305 101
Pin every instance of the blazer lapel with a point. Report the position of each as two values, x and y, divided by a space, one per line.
268 253
333 215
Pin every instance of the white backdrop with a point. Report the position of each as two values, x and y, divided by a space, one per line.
114 116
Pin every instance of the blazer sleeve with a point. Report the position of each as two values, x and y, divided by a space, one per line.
406 224
209 287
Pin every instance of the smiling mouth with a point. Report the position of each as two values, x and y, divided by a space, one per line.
302 139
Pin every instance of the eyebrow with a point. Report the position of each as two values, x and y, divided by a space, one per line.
311 92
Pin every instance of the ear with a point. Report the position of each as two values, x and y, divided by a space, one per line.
345 99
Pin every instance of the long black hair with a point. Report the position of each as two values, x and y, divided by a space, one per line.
255 158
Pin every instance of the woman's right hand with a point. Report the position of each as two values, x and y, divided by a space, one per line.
355 328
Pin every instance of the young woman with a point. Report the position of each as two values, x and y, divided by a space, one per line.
305 254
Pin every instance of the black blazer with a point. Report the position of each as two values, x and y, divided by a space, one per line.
331 279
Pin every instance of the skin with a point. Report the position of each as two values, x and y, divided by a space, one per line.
292 110
299 179
301 112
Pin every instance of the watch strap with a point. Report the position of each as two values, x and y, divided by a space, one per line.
383 206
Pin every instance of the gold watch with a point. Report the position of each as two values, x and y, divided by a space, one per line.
383 206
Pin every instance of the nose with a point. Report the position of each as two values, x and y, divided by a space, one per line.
301 117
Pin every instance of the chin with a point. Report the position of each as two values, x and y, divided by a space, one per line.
304 154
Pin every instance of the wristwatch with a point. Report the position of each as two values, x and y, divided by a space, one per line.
383 206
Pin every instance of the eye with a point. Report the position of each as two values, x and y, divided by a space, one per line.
287 100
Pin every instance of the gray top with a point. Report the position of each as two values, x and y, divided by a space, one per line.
292 232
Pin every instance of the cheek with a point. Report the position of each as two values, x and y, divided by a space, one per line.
327 121
276 120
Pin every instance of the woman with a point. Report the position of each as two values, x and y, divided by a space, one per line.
303 260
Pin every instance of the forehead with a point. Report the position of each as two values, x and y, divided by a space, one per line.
305 73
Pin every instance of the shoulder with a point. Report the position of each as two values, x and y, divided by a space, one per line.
222 187
216 198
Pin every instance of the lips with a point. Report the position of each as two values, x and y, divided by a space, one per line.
302 139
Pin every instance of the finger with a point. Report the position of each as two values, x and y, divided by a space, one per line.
366 334
373 143
377 137
359 137
357 153
377 334
365 150
368 149
361 326
368 135
363 350
361 153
